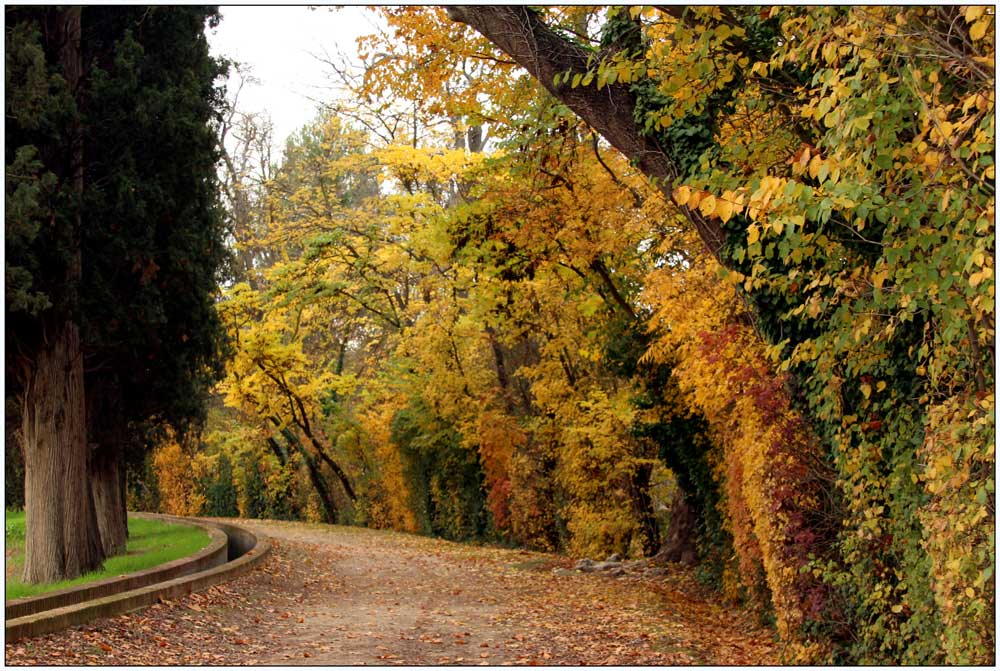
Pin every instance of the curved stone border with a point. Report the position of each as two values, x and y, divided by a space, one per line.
215 554
253 547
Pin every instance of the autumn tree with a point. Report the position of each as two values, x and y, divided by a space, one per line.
287 359
833 228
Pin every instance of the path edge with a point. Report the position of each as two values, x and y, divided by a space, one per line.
214 554
252 547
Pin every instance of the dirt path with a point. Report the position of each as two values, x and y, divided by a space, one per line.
347 596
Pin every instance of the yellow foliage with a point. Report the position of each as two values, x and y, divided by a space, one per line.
768 451
395 511
959 523
500 437
176 476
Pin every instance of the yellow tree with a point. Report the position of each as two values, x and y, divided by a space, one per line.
859 233
536 216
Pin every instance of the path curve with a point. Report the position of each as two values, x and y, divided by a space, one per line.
331 595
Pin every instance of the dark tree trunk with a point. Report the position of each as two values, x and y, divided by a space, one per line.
679 545
643 505
318 481
302 422
300 417
278 451
106 434
335 467
62 539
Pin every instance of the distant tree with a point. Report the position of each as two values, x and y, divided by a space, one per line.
246 142
220 490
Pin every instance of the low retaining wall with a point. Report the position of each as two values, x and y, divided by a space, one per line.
215 554
245 550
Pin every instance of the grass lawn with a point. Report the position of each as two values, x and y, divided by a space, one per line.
149 543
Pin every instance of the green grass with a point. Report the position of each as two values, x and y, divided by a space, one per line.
150 543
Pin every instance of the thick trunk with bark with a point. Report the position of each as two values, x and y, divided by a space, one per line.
106 434
107 484
61 540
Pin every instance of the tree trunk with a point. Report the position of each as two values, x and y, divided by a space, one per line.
643 505
278 451
62 540
679 545
106 436
107 487
335 467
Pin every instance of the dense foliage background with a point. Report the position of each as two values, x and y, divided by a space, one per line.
455 310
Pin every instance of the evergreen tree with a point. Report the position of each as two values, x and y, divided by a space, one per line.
43 191
152 239
114 245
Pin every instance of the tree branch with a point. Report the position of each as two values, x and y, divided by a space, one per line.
521 34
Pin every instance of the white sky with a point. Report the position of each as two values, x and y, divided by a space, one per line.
277 43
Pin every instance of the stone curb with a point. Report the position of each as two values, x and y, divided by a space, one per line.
252 549
215 554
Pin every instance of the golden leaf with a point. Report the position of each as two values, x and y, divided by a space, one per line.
944 201
814 166
974 12
724 209
682 194
707 205
978 29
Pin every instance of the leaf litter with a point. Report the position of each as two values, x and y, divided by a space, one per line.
331 595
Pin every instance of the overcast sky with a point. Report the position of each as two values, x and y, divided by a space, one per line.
277 42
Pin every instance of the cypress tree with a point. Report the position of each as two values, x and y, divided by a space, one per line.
114 249
153 237
43 192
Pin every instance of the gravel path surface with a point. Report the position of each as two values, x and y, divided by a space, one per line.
332 595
